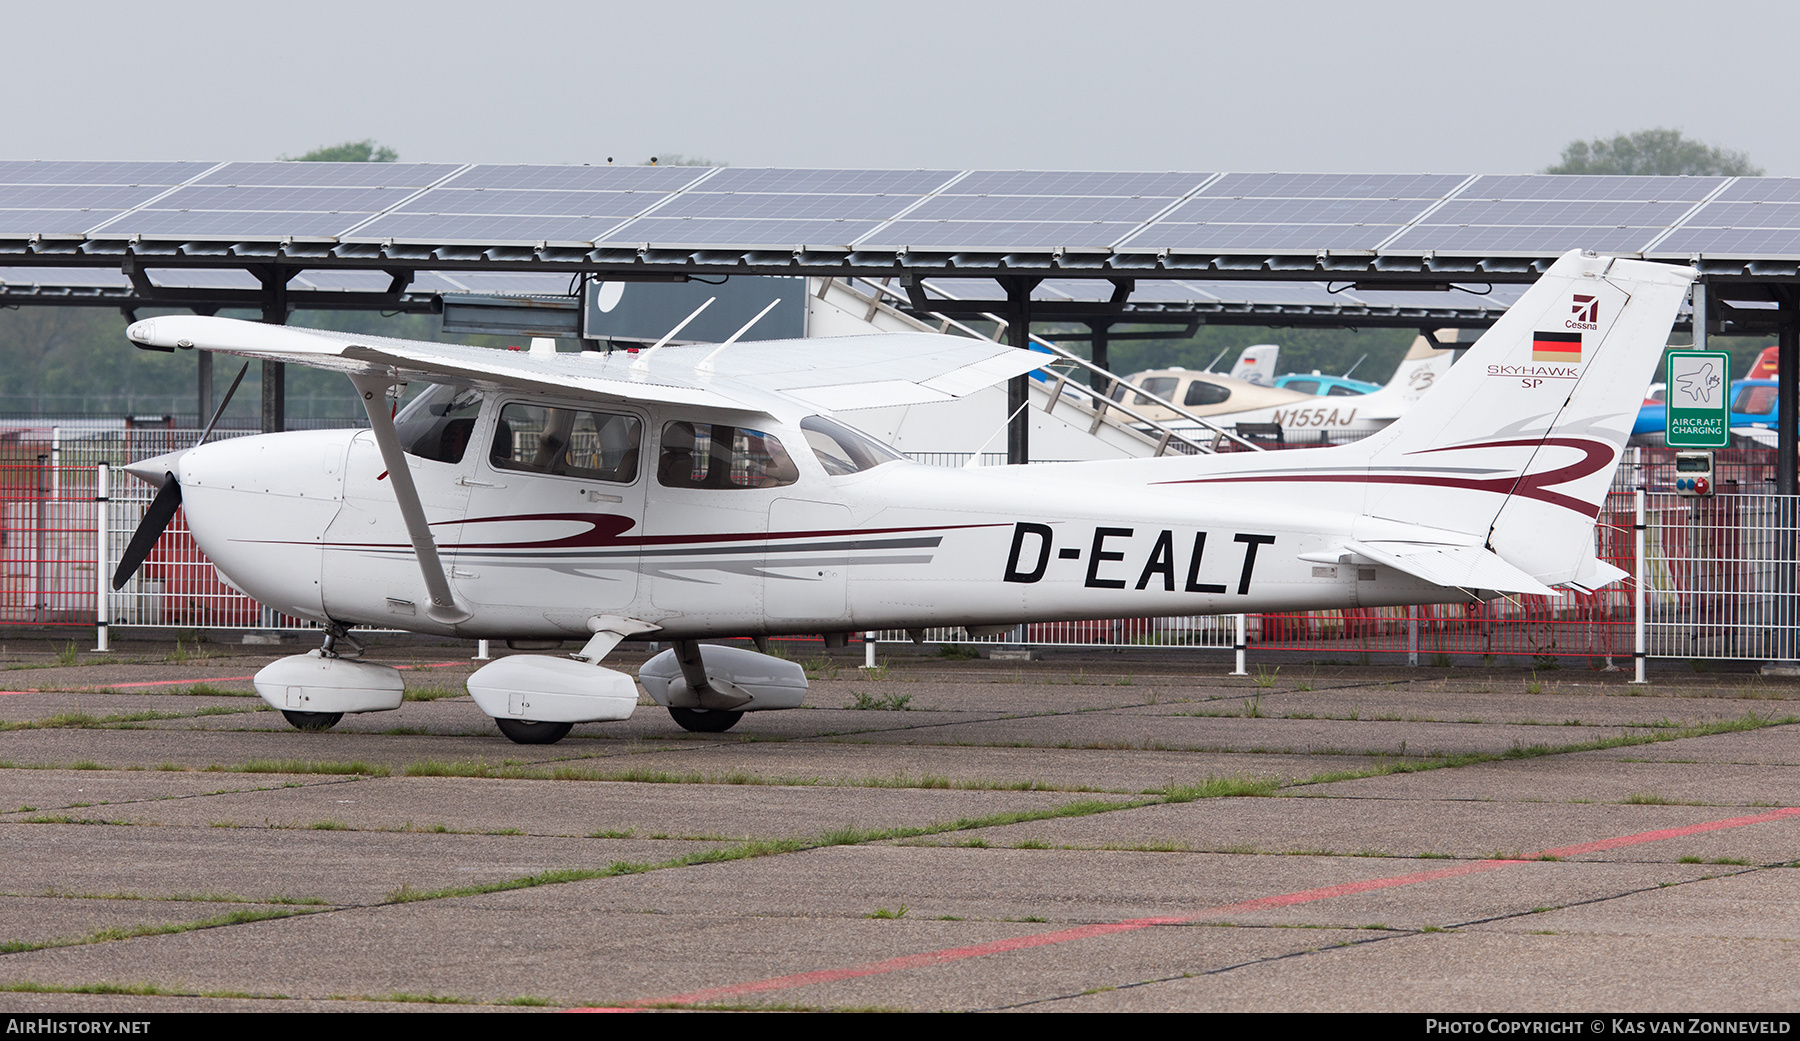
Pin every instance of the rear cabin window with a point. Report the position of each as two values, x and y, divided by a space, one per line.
713 455
1201 392
567 442
438 423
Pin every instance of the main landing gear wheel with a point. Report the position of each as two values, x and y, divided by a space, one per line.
312 721
705 721
531 732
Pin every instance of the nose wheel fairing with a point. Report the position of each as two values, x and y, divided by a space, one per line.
315 685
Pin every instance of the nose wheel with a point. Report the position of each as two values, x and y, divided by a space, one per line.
705 721
531 732
312 721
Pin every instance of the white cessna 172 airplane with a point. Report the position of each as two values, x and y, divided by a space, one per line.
698 492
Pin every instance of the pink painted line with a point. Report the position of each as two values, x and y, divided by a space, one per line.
916 961
1669 833
1304 896
202 679
1307 896
177 683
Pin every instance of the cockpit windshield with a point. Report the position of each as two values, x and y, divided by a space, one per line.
841 450
439 422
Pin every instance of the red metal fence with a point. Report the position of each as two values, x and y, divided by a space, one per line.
1717 586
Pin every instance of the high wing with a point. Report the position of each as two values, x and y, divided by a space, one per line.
842 373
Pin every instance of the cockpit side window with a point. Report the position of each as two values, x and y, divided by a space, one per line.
567 442
1162 386
438 423
842 450
713 455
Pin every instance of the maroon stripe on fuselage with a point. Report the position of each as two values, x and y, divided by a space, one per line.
607 530
1596 456
604 535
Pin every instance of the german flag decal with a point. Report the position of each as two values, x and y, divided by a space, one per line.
1563 347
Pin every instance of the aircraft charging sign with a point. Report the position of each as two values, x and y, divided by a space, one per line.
1697 408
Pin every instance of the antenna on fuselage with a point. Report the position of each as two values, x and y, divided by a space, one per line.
642 364
1216 357
706 363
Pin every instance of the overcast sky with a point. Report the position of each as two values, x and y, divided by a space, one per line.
1327 86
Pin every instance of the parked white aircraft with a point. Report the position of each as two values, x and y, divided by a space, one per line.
1228 401
708 492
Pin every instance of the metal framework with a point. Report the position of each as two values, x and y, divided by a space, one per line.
1379 232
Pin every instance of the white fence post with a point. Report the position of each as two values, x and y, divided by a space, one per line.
1243 633
1639 601
102 540
481 650
868 650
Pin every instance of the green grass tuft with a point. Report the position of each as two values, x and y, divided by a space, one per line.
305 766
1219 788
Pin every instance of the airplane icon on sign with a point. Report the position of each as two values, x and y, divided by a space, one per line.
1699 384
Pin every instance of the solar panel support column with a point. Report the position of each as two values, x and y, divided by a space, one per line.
1101 327
203 380
1018 389
274 397
1698 305
274 373
1787 460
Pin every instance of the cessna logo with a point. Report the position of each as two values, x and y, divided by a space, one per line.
1586 310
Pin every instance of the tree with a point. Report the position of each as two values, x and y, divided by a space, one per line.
1655 151
677 159
364 151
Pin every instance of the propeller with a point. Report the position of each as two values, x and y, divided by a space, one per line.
156 518
168 500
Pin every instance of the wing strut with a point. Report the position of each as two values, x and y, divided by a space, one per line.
373 390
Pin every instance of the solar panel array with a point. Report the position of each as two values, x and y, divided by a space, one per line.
352 280
890 211
1287 211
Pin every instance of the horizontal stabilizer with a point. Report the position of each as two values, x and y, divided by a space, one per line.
1596 576
1455 567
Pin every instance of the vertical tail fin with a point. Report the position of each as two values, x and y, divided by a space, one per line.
1422 367
1493 479
1518 442
1256 364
